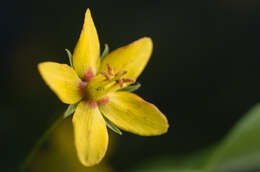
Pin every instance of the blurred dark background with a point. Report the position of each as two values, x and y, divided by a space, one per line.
203 74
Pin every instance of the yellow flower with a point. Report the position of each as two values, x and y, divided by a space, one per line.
95 84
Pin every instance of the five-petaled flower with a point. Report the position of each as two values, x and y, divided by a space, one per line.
95 84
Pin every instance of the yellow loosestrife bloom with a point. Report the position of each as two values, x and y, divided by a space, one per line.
95 84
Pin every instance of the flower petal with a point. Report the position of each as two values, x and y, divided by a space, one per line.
91 137
132 58
86 54
63 81
131 113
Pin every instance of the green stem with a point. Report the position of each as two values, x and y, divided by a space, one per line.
39 143
71 108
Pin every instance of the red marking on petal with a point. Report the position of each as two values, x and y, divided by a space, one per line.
88 75
91 103
103 101
82 86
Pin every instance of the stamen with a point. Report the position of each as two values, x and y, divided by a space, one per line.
88 75
111 82
128 80
121 72
121 83
106 75
110 70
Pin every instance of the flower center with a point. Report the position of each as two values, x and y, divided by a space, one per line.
104 83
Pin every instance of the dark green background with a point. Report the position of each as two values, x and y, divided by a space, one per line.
203 74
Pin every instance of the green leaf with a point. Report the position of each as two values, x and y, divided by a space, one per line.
112 126
240 150
105 52
131 88
70 110
70 57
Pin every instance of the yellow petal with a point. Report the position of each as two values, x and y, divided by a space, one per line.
131 113
62 79
91 138
86 54
132 58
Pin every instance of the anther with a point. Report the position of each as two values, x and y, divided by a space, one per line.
110 70
106 75
121 72
120 82
128 80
